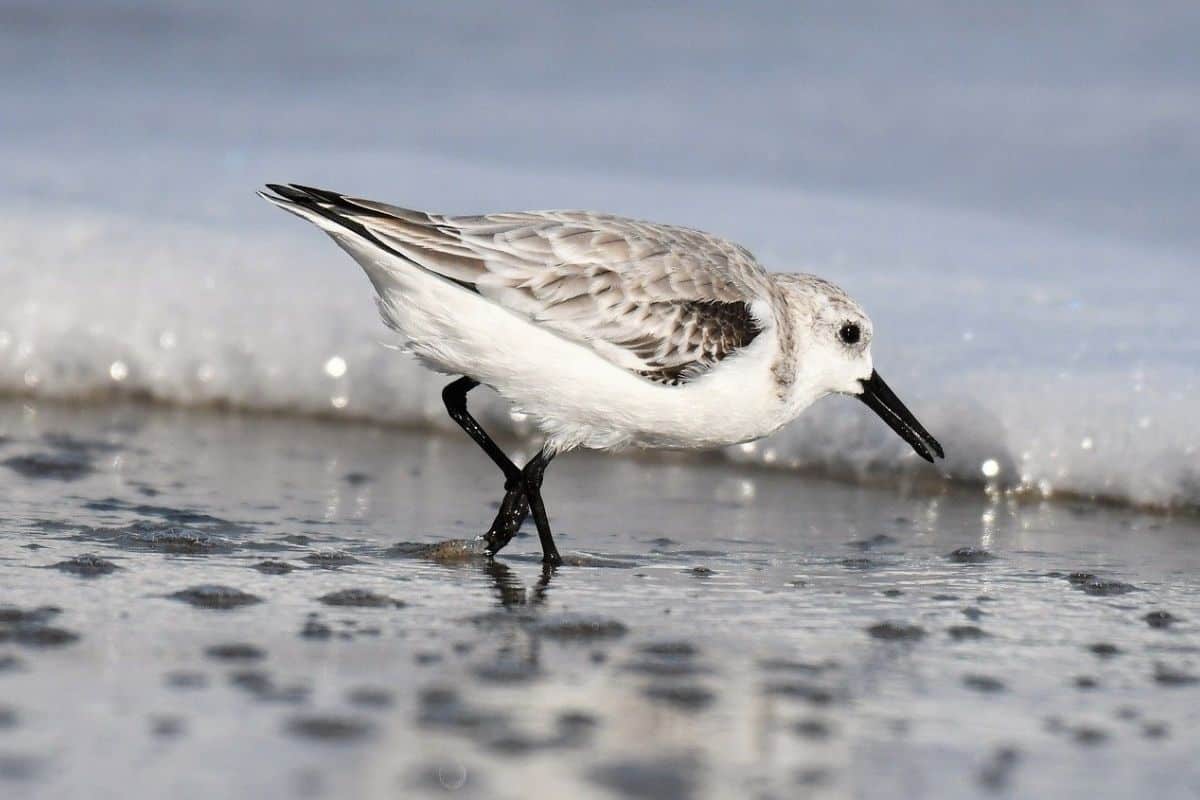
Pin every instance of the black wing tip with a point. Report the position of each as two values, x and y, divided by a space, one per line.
301 194
324 195
287 192
336 201
334 207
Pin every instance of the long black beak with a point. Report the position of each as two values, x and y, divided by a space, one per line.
883 401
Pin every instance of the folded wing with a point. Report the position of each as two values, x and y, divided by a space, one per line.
664 302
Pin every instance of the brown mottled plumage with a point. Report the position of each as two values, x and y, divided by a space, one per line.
665 302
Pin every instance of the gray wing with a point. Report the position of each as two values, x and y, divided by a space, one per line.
662 301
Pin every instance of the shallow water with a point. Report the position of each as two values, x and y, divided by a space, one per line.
207 605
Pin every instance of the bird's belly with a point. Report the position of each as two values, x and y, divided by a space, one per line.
566 434
717 410
619 433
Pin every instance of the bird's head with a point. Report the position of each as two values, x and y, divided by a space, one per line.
834 343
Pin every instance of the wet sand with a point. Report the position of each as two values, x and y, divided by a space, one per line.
204 605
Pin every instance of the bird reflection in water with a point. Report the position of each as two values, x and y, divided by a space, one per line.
511 590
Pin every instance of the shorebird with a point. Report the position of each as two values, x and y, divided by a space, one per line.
607 332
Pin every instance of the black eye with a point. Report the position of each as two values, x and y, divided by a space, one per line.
849 333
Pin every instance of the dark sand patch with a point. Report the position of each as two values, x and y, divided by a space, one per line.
983 683
216 597
235 651
655 779
685 697
1094 585
805 691
1165 675
331 559
86 566
812 728
997 772
330 728
63 466
1160 619
162 537
896 632
29 627
359 598
970 555
274 567
1104 650
262 686
315 629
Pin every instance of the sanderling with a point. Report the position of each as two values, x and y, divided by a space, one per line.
607 332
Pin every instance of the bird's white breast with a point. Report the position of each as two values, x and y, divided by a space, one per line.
592 403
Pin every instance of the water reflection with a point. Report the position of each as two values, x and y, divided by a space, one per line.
511 590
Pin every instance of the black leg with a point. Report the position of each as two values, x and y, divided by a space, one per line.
455 398
515 506
513 510
534 471
522 488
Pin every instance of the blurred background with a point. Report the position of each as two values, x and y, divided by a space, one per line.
1009 189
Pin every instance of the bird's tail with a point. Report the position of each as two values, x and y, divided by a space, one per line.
378 236
386 267
320 207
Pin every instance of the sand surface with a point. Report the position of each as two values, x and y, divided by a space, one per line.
724 632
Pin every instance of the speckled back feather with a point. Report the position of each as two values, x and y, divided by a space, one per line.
662 301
